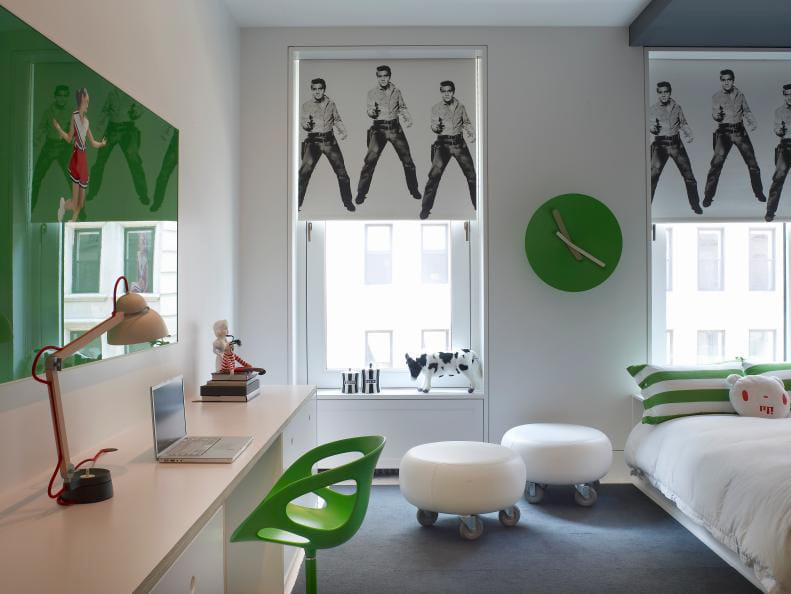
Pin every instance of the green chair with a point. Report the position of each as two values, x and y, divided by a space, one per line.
278 519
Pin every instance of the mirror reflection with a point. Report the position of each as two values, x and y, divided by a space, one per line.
88 192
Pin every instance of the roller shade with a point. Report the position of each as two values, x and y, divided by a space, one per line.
370 148
736 147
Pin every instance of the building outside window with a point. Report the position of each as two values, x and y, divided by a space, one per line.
669 347
711 346
669 259
762 260
762 345
377 291
86 260
139 258
378 254
710 260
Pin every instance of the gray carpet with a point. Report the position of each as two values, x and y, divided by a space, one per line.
624 544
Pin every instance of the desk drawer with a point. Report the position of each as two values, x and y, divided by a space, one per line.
200 568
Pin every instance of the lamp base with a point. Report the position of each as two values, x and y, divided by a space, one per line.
88 487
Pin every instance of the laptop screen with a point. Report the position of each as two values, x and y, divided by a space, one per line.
167 406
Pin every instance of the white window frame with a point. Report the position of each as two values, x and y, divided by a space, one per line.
669 259
771 259
315 306
669 344
719 231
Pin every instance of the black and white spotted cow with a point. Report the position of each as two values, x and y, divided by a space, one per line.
464 362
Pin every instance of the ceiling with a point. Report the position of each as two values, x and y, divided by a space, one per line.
436 13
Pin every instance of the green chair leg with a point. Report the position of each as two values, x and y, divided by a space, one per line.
311 583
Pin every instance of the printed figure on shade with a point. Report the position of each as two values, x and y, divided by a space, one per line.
386 107
450 122
730 110
120 112
319 117
782 153
52 147
79 134
666 121
169 161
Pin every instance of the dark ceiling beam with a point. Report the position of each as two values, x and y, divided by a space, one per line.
713 23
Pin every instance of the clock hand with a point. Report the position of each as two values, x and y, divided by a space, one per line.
562 226
590 257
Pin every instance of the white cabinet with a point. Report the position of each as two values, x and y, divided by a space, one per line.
405 422
199 569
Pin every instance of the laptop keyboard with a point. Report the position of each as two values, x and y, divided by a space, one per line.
192 446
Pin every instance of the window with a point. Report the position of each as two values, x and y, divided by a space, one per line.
357 315
86 260
139 259
378 254
762 260
434 253
379 348
434 341
762 345
669 258
91 352
710 265
711 346
669 347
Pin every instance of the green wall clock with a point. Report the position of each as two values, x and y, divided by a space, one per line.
573 242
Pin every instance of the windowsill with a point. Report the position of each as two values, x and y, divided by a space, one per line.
403 394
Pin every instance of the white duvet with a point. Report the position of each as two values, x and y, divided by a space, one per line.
730 474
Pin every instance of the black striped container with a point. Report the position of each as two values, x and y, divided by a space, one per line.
369 383
350 382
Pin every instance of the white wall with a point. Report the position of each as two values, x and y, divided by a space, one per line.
181 59
565 114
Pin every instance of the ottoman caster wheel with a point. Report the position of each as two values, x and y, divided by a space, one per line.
585 495
426 518
534 493
510 516
471 533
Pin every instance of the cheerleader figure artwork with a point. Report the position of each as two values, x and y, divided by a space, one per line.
79 134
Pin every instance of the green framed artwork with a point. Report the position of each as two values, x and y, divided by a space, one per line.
88 192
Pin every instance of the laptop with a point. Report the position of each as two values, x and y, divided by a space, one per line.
171 443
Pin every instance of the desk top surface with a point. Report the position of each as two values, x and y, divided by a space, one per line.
114 545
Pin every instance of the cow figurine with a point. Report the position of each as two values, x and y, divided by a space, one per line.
464 362
761 396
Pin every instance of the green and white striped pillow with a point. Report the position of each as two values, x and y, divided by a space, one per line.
780 370
672 392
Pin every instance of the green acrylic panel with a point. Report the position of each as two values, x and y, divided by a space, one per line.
48 268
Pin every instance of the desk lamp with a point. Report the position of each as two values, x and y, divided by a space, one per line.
131 322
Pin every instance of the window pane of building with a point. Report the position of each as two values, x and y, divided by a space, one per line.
379 348
86 260
139 259
434 253
433 341
378 254
762 345
762 272
91 352
711 346
710 260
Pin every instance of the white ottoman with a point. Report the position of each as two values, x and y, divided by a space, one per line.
465 478
560 454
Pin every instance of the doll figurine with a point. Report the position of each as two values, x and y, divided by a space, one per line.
227 361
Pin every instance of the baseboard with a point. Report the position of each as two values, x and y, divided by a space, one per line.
293 571
703 535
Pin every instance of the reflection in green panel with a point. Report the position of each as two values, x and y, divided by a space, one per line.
88 191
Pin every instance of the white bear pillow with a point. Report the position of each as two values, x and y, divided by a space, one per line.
762 396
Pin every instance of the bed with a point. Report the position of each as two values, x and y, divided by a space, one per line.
732 476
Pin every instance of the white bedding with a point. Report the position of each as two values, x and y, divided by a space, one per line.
730 474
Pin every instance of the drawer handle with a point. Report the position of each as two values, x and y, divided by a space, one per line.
193 584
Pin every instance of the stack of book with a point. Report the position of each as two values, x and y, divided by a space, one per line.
226 387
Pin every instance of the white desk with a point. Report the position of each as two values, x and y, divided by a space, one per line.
126 544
